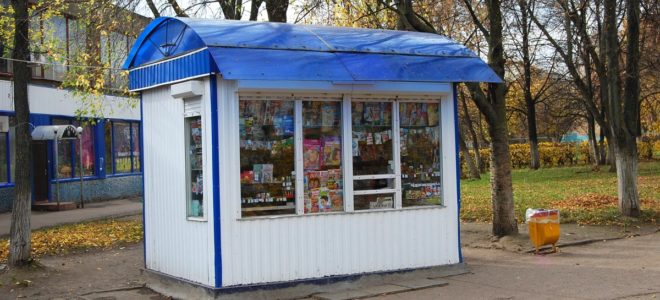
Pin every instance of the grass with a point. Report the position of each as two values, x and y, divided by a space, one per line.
583 196
81 236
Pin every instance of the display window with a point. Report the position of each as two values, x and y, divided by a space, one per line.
267 155
194 167
122 147
354 154
322 156
121 144
421 168
372 147
68 152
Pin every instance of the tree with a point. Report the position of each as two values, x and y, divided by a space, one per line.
492 105
20 232
623 111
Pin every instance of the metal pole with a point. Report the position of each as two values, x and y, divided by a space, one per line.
57 174
82 171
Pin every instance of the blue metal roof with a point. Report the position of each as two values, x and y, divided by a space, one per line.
280 51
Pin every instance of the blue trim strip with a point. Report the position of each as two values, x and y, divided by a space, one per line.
216 180
144 224
458 170
178 68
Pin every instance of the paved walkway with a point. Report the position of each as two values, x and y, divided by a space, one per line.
92 211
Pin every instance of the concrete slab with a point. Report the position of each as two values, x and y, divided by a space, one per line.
343 295
384 289
421 283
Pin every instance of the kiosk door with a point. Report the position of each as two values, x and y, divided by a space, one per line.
40 170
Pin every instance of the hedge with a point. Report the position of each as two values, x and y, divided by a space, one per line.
559 154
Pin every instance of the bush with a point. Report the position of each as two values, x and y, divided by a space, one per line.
559 154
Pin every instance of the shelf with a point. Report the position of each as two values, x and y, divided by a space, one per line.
267 208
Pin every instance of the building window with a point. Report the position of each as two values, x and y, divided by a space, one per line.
322 156
267 156
4 156
122 150
195 167
372 147
421 168
393 154
68 152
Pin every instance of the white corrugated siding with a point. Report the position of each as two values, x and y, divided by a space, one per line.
299 247
53 101
174 245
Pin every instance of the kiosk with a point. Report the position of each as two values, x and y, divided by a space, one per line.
279 153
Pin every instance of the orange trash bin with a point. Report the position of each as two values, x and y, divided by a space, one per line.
543 227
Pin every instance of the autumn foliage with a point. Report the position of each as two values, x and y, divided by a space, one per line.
82 236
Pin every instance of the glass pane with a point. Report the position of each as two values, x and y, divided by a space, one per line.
135 131
122 146
194 165
4 175
108 147
267 157
64 154
87 138
322 156
12 146
372 138
421 168
363 202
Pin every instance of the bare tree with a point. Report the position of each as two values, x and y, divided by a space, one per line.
276 10
20 245
623 112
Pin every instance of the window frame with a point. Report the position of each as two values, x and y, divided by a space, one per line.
112 172
74 150
188 170
347 158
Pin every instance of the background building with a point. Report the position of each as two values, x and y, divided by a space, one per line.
110 145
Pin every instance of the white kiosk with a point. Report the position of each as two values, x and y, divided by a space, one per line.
275 153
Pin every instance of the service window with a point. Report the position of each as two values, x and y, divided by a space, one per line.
322 156
267 154
194 167
372 147
421 168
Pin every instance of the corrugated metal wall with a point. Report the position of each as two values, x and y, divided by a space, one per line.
298 247
174 245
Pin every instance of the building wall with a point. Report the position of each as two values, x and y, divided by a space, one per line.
174 244
94 190
283 248
53 101
47 102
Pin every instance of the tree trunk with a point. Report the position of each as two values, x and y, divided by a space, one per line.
472 168
602 159
276 10
611 154
594 152
19 246
630 128
535 160
473 133
254 9
626 174
504 218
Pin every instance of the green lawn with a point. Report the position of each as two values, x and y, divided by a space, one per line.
583 196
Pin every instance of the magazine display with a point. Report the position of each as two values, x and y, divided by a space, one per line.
267 157
421 172
322 157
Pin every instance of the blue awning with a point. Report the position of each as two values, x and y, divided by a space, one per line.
280 51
